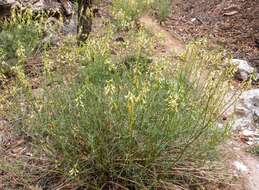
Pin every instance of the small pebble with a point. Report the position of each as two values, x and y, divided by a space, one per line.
240 166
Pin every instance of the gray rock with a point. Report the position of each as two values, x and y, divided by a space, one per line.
42 5
7 2
250 101
247 110
53 6
244 70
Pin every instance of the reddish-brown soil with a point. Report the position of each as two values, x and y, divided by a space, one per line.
231 23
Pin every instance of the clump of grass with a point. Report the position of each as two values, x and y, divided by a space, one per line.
133 122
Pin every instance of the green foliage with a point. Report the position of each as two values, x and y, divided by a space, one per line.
125 12
254 150
110 114
163 8
19 37
131 121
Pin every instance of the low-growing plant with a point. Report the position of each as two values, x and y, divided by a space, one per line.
162 8
254 150
126 12
20 35
133 122
111 115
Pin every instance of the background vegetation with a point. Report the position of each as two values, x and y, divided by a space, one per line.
20 37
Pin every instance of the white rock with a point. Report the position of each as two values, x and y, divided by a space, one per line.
242 123
243 65
193 19
243 69
246 111
220 125
240 166
247 133
248 102
250 143
256 113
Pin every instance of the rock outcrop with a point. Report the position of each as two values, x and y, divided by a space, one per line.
57 7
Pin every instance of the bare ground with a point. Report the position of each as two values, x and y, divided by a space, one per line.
234 24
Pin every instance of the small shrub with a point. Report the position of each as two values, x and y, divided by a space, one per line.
19 37
133 123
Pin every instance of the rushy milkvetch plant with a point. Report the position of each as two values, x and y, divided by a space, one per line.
20 37
133 121
22 29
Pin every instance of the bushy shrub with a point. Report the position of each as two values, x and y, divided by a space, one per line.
20 35
132 122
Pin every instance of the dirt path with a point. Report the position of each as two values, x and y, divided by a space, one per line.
252 164
235 149
243 164
233 24
171 43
